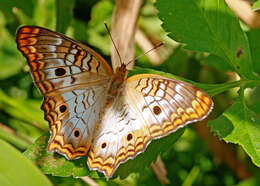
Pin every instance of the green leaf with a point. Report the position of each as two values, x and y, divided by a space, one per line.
10 65
26 110
64 14
254 41
101 12
44 14
217 62
26 5
13 138
97 33
177 63
256 5
15 169
207 26
52 163
11 62
240 125
57 165
250 181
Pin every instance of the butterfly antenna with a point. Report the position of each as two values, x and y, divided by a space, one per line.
113 43
155 47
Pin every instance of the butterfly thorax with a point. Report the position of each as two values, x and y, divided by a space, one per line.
117 83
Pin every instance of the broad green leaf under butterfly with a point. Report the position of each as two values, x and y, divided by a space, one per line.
91 109
240 125
57 165
207 26
17 170
54 164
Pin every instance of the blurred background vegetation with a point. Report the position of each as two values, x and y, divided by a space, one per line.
193 159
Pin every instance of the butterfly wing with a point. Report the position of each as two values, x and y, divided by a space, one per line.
59 64
73 117
151 107
73 79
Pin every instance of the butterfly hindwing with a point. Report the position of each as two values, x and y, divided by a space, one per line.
73 117
150 107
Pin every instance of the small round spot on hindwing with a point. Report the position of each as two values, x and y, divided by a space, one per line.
103 145
76 133
63 108
129 137
157 110
60 71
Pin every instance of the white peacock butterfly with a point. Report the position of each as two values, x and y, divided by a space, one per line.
91 108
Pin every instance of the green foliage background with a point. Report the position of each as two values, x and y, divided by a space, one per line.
212 45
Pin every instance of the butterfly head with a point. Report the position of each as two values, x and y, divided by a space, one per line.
121 72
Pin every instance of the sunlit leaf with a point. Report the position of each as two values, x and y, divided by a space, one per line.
207 26
17 170
240 125
256 5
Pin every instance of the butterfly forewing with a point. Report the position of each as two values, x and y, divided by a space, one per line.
151 107
59 64
73 79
